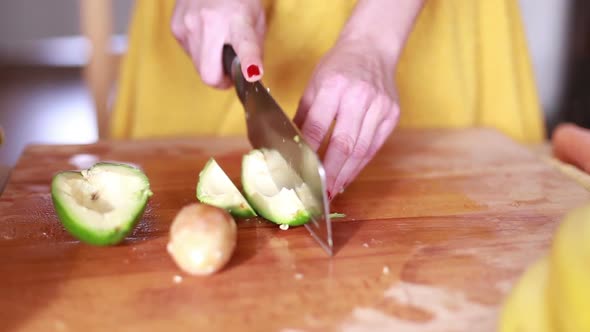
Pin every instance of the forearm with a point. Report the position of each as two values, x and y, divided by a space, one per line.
385 23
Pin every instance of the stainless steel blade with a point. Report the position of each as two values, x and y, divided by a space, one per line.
269 129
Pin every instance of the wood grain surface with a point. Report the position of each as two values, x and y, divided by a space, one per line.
437 229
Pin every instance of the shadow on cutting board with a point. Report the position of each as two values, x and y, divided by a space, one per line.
253 236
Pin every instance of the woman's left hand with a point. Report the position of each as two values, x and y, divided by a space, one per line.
353 84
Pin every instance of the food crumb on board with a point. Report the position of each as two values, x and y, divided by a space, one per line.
296 138
298 276
366 245
284 227
386 269
177 279
377 242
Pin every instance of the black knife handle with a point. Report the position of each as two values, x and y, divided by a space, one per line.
228 58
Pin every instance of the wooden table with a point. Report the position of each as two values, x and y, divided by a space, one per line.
438 228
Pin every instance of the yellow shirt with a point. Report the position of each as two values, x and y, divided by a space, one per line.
465 64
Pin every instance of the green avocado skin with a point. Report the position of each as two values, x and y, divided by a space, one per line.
299 219
241 213
235 211
90 236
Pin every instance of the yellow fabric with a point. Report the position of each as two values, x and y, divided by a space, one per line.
465 64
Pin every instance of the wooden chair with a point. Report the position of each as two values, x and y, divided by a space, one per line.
100 72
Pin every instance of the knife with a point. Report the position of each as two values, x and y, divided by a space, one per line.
269 129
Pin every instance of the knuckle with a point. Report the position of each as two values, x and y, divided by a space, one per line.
383 102
361 149
388 108
178 29
190 22
205 14
344 144
208 15
238 10
314 131
361 90
335 81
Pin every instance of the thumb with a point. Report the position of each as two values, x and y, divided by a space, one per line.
247 45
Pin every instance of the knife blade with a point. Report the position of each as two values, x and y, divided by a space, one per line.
270 130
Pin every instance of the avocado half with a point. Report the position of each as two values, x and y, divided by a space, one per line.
100 205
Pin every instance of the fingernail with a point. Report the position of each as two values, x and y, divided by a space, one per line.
253 70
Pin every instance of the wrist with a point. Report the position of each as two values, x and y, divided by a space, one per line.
385 25
386 50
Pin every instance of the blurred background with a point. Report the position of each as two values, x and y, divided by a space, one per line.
52 91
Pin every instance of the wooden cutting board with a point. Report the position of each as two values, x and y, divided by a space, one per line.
438 228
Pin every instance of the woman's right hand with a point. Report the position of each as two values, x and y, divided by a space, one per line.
202 27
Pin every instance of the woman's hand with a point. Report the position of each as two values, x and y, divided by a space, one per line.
353 84
202 27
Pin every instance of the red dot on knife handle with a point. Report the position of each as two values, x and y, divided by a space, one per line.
253 70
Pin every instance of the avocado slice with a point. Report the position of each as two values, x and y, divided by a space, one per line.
276 199
100 205
216 188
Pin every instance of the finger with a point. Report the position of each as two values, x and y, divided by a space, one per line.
304 106
261 30
321 114
381 135
368 129
213 38
344 139
246 43
193 25
177 26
